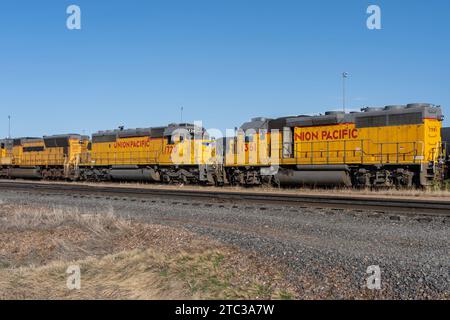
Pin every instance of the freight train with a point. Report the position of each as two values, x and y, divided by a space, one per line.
392 146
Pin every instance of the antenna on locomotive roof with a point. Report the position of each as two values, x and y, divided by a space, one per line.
344 77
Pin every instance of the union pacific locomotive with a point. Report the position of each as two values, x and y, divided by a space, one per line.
397 145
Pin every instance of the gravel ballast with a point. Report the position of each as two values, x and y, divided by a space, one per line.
325 252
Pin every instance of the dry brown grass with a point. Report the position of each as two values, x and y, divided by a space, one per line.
35 218
121 259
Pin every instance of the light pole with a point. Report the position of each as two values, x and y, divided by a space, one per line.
344 78
9 127
181 115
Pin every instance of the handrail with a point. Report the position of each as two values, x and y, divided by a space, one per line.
305 150
364 149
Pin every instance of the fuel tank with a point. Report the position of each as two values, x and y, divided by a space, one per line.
25 173
314 176
135 174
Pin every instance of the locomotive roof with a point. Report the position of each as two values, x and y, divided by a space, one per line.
256 124
156 132
19 141
137 132
66 136
413 113
23 138
173 126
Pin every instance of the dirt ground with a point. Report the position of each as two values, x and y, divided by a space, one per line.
120 259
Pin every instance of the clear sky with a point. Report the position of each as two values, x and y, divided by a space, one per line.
135 63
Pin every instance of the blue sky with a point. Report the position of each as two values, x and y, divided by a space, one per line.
135 63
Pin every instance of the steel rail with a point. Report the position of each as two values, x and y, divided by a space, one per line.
390 204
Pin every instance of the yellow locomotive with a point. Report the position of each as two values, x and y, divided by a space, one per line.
390 146
176 153
50 157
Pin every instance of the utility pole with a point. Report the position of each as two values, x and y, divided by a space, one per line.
9 127
181 115
344 78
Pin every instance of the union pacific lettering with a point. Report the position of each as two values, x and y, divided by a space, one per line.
132 144
324 135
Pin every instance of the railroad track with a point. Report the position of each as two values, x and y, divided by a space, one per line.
403 205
